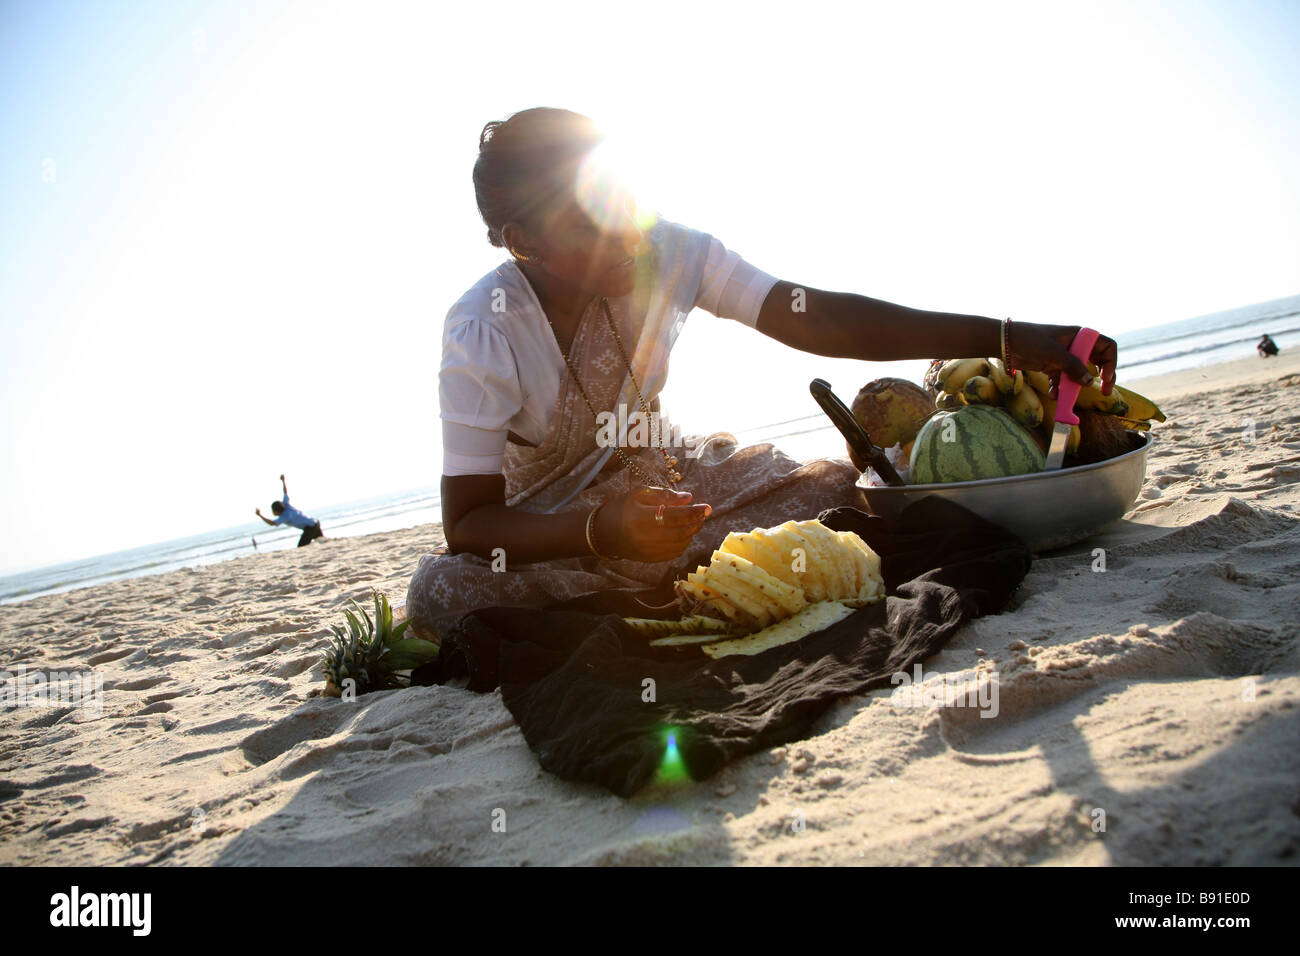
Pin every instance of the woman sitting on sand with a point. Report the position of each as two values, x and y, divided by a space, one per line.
552 363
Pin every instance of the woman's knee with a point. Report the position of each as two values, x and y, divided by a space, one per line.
440 583
835 480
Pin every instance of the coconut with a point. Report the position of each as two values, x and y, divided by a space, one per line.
1102 437
892 411
931 377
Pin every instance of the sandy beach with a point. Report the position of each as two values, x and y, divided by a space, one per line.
1147 714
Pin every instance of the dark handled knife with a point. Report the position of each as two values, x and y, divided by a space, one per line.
854 433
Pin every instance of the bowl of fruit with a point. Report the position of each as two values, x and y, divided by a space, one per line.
983 442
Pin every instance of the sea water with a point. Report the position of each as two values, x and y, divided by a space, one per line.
1207 339
390 512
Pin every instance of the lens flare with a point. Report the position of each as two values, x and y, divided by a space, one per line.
608 188
672 769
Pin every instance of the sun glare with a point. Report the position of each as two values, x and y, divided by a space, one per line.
619 171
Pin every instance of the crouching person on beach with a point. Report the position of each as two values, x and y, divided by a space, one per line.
287 514
541 499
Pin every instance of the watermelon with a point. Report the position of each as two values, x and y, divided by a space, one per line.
983 441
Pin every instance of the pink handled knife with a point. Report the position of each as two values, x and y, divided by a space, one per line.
1067 393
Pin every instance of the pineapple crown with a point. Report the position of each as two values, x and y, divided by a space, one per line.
372 653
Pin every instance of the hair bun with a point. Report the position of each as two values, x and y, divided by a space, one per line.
488 130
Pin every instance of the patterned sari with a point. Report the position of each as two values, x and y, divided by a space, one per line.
755 486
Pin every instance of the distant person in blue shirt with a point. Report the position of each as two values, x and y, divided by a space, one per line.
1266 346
291 516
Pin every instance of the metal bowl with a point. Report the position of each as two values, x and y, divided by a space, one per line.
1045 509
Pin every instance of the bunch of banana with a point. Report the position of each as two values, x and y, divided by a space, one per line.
770 586
971 381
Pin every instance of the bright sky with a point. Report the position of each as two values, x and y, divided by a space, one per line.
229 232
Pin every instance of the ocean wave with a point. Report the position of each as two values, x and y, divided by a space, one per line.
1207 347
1190 328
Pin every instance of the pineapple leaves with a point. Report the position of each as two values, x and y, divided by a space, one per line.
410 653
372 653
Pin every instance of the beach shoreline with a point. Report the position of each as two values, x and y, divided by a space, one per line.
1244 371
1164 692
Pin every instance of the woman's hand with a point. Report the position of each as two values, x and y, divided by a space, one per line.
1046 348
626 524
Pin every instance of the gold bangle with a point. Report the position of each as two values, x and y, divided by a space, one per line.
591 543
1006 335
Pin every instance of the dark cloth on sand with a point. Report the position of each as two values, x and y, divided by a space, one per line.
573 674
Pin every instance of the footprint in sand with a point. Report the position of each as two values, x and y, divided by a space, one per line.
140 683
296 665
310 722
104 657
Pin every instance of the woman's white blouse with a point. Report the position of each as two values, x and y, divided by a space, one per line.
498 378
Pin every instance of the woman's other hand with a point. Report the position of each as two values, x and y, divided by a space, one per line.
1046 348
627 526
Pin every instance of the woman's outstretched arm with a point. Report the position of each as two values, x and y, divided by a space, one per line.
845 325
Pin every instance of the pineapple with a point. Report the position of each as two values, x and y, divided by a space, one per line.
372 654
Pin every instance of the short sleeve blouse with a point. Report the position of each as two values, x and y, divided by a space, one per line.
491 383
